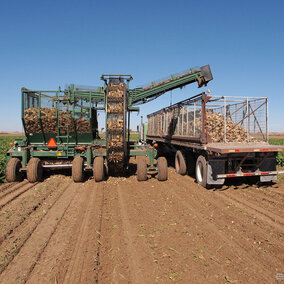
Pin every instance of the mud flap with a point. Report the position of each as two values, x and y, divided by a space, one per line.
267 178
213 169
268 165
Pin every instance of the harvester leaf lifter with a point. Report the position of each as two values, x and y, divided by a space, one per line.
61 128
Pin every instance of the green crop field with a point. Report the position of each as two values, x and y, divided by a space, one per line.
4 147
280 157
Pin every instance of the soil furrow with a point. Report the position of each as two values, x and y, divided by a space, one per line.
73 274
71 254
5 187
13 195
125 231
132 251
12 188
244 221
22 214
268 217
22 264
12 245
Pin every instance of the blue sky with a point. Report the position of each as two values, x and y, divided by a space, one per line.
46 44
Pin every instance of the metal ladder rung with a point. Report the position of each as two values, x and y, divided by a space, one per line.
63 136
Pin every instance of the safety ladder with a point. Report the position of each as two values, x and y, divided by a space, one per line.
63 123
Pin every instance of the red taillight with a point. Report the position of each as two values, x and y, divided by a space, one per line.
264 173
248 175
230 176
80 148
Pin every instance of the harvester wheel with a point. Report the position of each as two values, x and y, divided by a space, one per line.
162 169
78 169
13 170
99 169
180 163
141 169
34 170
201 171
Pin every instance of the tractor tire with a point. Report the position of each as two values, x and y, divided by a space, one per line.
78 169
99 169
13 170
162 169
180 163
34 170
201 171
141 169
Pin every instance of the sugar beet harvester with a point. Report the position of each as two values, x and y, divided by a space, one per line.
61 129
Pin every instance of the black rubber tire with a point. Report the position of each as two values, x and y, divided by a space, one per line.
141 169
190 163
78 169
201 171
13 170
180 163
34 170
99 169
162 165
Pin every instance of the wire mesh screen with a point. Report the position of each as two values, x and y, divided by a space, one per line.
39 113
227 119
82 114
237 119
54 113
180 120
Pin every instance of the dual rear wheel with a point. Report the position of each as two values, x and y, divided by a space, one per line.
188 164
78 169
34 170
162 166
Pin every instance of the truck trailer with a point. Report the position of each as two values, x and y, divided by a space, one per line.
216 138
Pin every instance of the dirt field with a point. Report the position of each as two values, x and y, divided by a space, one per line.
122 231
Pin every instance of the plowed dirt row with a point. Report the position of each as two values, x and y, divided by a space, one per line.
123 231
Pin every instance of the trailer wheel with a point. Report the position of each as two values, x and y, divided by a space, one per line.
34 170
99 169
78 169
162 169
201 171
141 169
13 170
180 164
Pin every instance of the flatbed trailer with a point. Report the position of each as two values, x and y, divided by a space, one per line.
201 133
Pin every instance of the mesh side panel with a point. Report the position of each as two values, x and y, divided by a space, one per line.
185 120
57 113
227 119
237 120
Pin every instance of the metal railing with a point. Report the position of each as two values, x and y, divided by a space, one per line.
213 119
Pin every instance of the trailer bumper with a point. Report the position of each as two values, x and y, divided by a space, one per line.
250 174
